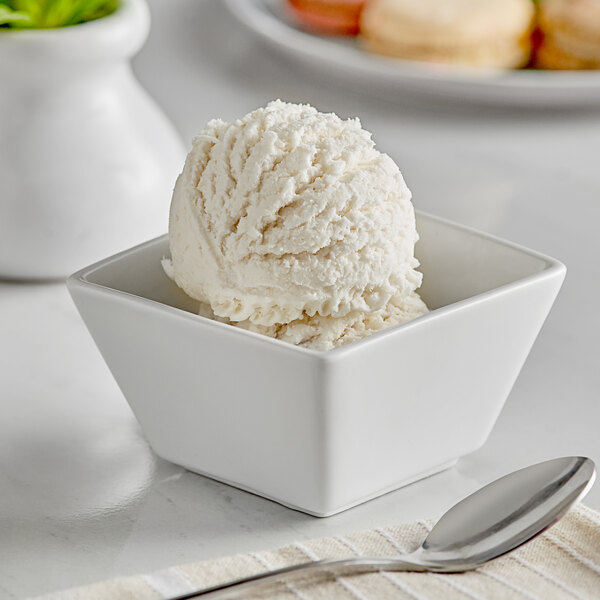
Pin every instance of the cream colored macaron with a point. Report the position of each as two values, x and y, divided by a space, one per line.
571 34
485 33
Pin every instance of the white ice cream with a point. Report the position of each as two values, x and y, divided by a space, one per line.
289 217
326 333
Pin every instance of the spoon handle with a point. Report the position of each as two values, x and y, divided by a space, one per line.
346 566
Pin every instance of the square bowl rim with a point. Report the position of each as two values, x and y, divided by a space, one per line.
552 267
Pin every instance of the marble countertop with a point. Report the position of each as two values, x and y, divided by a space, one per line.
83 498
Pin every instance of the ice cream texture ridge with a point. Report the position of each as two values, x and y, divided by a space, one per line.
289 222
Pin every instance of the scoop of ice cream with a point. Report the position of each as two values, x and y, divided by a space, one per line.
326 333
288 214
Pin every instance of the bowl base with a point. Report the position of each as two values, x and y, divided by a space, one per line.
336 510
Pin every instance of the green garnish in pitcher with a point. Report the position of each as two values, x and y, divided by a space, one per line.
47 14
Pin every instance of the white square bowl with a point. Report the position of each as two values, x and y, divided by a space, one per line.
323 431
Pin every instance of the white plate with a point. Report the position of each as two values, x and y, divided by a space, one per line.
343 58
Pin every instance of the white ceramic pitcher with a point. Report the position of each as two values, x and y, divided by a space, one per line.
87 159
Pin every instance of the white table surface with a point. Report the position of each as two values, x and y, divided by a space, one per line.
83 498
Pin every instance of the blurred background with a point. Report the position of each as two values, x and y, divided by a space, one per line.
83 496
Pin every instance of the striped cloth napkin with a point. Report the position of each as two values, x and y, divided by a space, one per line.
564 562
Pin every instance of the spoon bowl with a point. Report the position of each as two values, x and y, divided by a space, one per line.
505 514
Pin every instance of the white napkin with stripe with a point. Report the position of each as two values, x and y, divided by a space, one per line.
562 563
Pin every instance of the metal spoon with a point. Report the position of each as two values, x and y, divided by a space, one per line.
495 520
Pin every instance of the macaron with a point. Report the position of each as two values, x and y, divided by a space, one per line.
482 33
336 17
570 34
